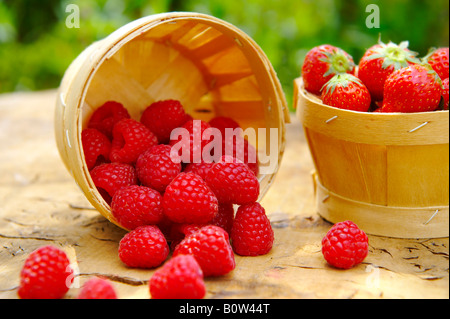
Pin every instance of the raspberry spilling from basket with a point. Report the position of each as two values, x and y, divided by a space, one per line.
171 191
389 78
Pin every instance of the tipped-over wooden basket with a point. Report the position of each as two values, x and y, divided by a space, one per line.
210 66
388 173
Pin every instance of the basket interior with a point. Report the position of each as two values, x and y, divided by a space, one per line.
201 65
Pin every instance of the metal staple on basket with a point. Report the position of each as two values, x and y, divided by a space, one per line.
331 119
418 127
432 216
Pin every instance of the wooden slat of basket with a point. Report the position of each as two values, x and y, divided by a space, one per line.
169 28
121 87
244 89
218 80
199 35
370 128
338 165
176 35
145 70
372 162
207 49
418 175
180 80
231 60
390 221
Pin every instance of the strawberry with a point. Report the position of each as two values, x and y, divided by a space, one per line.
322 63
416 88
445 93
379 61
345 91
438 59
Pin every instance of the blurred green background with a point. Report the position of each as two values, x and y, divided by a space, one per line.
36 46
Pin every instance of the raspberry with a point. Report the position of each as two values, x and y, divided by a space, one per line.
155 167
111 177
345 245
233 182
106 116
162 117
190 146
211 248
97 288
135 206
130 139
222 123
143 247
252 234
224 217
96 147
241 149
46 274
179 231
189 200
201 169
179 278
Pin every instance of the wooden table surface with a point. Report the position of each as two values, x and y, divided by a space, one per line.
41 205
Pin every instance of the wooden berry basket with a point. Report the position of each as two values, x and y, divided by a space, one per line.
212 67
388 173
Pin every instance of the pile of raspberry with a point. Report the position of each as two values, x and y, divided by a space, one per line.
180 215
170 203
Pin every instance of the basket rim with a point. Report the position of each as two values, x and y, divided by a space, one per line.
426 128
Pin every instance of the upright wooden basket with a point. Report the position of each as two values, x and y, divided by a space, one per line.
212 67
389 173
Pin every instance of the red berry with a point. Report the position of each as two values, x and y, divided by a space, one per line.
143 247
222 123
130 139
439 61
162 117
189 200
201 169
179 278
416 88
156 167
96 147
345 245
445 93
252 234
106 116
189 141
242 150
97 288
346 91
322 63
135 206
385 109
211 248
233 182
110 177
224 217
46 274
380 61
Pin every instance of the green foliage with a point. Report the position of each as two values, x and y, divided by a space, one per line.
36 47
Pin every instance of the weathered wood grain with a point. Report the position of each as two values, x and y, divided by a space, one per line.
41 205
